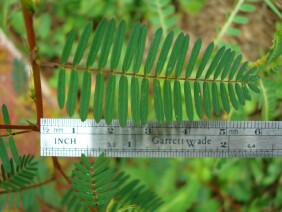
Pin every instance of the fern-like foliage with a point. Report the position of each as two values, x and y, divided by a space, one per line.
20 176
17 173
214 83
96 186
163 14
93 183
268 65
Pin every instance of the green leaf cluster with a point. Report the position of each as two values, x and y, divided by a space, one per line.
93 183
205 82
97 186
19 176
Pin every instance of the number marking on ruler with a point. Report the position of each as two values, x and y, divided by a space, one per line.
197 139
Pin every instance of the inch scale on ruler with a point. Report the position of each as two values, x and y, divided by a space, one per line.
197 139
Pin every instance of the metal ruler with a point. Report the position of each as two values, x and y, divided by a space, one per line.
196 139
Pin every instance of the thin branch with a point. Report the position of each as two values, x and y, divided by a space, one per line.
228 22
20 127
32 186
16 133
28 19
57 166
68 66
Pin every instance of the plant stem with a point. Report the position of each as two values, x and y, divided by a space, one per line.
20 127
59 168
28 19
229 21
68 66
16 133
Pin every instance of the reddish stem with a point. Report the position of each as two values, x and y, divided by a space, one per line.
59 168
20 127
28 20
16 133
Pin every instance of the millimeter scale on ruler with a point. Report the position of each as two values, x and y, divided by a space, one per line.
195 139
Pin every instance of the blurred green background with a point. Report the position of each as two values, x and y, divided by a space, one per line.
184 184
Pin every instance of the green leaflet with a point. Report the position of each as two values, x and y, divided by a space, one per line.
222 63
96 42
82 44
188 101
153 51
253 87
241 71
4 156
239 93
193 57
144 101
87 163
247 8
215 99
214 62
205 60
72 94
110 99
227 65
117 47
177 101
68 46
98 97
198 99
20 175
85 95
164 52
250 73
14 150
135 101
182 56
107 43
254 78
233 31
207 99
233 98
167 94
19 76
61 88
140 49
131 47
240 19
235 66
246 93
174 54
6 117
224 97
123 100
158 101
